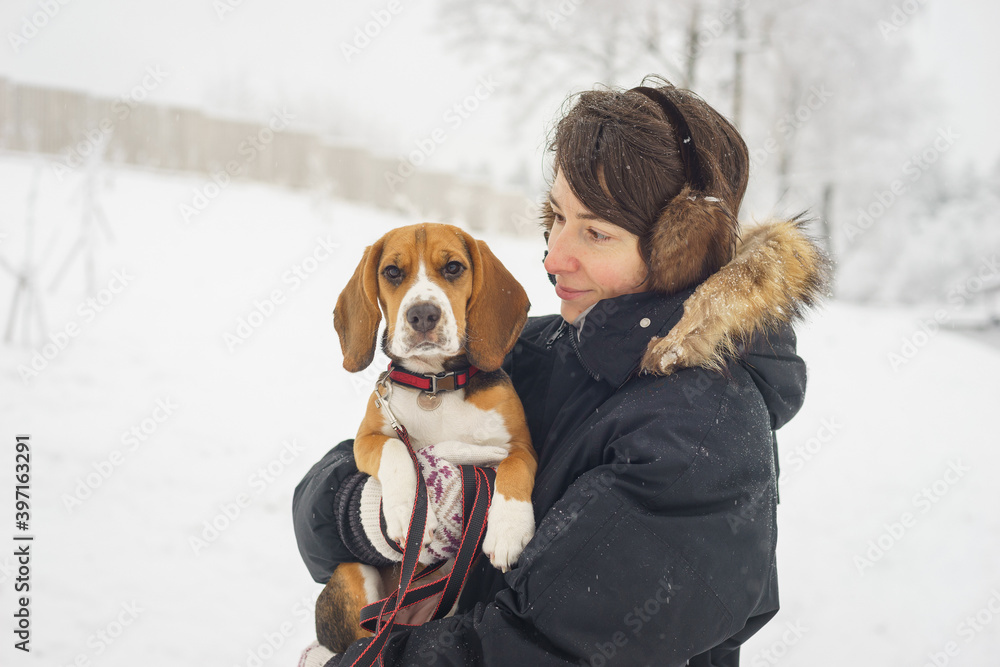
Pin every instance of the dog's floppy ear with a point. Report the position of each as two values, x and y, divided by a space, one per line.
357 313
497 310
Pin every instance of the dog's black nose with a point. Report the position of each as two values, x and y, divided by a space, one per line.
423 316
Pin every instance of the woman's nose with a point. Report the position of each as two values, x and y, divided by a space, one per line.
560 258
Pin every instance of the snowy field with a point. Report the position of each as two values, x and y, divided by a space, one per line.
171 425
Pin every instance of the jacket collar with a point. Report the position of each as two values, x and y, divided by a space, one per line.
616 331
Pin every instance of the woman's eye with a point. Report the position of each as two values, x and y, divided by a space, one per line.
597 236
558 219
392 272
453 268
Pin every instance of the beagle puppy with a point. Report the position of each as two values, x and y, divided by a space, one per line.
454 312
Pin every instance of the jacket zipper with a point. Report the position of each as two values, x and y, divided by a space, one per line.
572 339
576 349
552 339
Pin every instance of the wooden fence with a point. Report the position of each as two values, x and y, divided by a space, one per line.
73 126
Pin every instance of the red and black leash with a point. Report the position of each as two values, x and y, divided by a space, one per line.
380 617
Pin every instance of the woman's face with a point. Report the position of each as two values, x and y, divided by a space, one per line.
591 258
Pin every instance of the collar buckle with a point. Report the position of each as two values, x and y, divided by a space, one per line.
434 384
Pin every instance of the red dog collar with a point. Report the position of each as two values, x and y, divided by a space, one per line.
430 382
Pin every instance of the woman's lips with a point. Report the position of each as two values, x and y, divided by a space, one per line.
568 294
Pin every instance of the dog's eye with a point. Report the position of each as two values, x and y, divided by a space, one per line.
392 272
453 269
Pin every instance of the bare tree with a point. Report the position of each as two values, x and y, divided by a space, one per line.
553 47
739 50
26 305
821 97
692 45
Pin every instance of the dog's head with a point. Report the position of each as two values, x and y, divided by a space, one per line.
442 292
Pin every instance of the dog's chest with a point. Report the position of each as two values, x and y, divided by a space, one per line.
454 419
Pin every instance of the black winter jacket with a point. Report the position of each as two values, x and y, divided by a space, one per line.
654 500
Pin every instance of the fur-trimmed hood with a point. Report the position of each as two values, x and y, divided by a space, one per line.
777 272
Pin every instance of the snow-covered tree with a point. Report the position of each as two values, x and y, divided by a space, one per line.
823 92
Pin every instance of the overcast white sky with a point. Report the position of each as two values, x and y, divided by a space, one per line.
405 80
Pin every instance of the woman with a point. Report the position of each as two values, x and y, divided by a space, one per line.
651 399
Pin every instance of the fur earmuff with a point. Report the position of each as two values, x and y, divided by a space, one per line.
777 273
357 315
693 238
497 309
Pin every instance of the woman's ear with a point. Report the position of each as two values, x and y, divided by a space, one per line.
357 313
693 238
497 310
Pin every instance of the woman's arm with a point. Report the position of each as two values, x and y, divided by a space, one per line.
314 513
661 553
778 371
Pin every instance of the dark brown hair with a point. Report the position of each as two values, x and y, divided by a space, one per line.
619 153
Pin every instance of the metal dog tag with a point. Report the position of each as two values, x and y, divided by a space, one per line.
428 401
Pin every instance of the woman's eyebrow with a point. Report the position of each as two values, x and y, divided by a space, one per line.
584 214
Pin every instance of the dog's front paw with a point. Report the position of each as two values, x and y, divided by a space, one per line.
397 518
397 507
511 525
399 485
460 453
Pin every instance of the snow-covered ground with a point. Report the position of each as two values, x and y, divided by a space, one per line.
186 402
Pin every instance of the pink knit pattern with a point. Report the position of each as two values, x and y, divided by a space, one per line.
444 488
